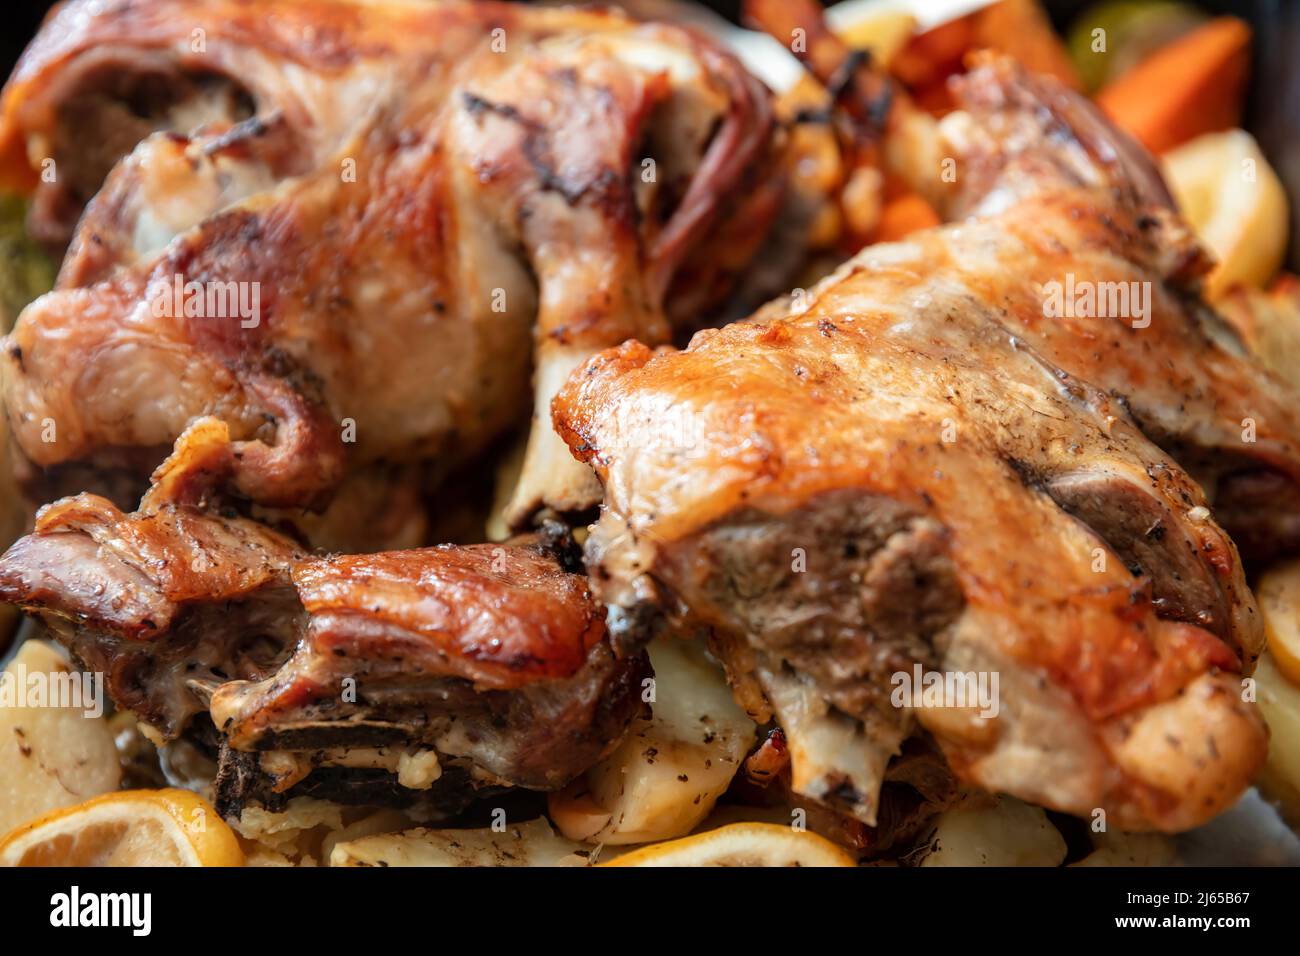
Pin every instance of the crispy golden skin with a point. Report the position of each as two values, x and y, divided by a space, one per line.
1077 200
903 468
431 199
495 658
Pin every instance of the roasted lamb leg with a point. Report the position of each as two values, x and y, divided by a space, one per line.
1113 276
401 677
1069 228
352 230
895 479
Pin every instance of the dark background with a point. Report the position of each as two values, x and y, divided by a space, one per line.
1273 107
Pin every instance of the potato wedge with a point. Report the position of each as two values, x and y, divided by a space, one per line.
1130 849
881 34
1235 202
50 757
1000 832
665 777
1279 702
526 844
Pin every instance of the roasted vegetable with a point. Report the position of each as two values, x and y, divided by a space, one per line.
994 831
1021 29
1130 31
741 844
1279 700
670 770
903 215
1192 86
1229 193
527 844
1278 593
50 757
1269 322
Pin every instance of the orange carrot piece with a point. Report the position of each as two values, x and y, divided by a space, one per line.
1021 29
1191 86
902 216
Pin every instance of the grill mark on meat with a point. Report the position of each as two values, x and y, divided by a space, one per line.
608 189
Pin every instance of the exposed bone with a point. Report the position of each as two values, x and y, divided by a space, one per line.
830 753
551 477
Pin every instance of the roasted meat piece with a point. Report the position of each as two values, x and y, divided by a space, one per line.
361 677
895 481
352 230
1071 233
162 603
1068 226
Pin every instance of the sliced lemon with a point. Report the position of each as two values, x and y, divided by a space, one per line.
1235 202
1278 594
741 844
994 831
127 828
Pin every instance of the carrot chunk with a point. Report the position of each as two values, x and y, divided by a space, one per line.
902 216
1191 86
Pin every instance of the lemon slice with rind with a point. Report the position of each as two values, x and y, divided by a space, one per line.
741 844
127 828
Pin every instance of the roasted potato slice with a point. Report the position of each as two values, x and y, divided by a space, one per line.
526 844
1130 849
1279 701
1269 322
1235 201
997 831
670 770
50 757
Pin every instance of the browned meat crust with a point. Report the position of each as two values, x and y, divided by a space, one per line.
419 193
494 659
915 467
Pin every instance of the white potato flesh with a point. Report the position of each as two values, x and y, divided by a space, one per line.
1279 703
1006 832
666 776
526 844
1130 849
1235 202
50 757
